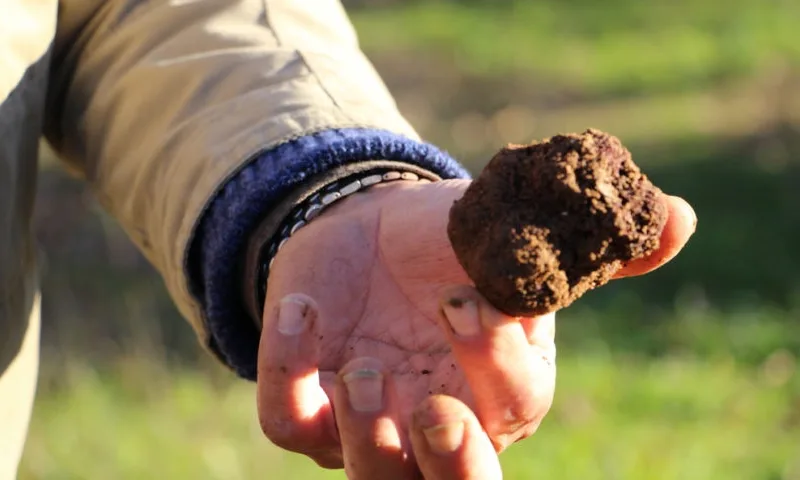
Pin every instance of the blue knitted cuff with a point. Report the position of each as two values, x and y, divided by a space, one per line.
242 203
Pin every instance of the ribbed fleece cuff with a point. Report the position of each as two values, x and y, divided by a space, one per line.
239 206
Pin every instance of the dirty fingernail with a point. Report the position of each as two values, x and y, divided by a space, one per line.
462 315
445 438
364 389
292 316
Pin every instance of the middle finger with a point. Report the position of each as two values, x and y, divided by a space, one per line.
372 444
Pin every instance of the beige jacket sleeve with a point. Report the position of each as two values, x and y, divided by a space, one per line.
157 103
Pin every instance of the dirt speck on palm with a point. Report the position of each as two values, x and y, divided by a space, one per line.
546 222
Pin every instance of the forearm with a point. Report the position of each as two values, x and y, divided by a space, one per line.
192 120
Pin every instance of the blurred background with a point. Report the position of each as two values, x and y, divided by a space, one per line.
688 373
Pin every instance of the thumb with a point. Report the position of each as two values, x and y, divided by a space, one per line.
681 224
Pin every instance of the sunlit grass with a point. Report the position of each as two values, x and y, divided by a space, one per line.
612 47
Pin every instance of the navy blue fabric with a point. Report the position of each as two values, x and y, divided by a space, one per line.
238 208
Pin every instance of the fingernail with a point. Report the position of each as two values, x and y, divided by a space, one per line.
292 316
445 438
364 389
687 208
462 315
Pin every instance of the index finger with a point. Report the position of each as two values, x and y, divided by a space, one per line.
681 224
294 411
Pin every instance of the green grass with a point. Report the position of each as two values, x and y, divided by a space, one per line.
616 416
612 47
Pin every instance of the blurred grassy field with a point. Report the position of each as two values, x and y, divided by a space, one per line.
688 373
616 416
611 47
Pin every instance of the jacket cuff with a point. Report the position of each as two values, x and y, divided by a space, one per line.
273 182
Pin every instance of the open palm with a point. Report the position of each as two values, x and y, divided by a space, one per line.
376 277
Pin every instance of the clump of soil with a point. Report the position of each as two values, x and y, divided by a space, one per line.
546 222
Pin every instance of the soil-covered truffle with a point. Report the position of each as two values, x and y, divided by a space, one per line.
546 222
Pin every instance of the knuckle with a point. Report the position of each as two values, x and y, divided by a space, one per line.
521 420
288 434
328 460
523 431
282 432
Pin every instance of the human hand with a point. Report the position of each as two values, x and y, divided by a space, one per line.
375 276
446 438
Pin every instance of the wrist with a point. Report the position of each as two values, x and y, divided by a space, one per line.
319 194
